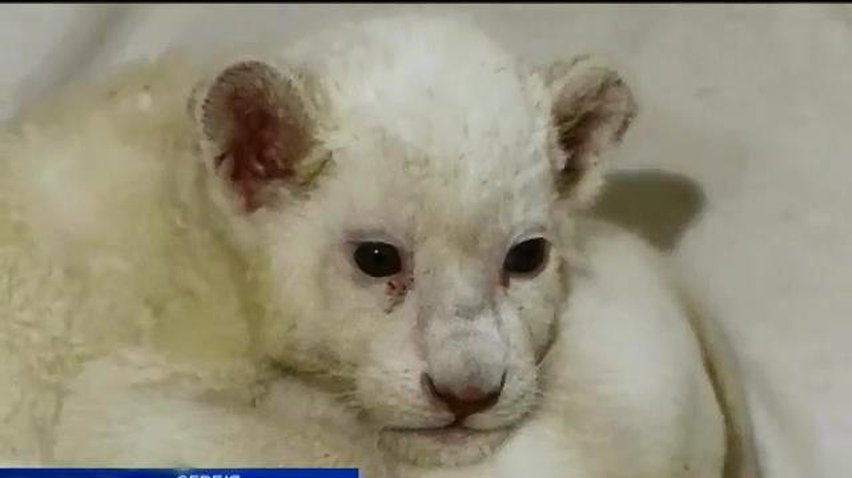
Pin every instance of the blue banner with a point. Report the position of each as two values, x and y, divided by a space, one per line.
176 473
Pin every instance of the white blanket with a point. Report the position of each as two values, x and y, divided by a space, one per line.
753 103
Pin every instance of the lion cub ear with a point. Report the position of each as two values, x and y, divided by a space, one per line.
592 109
255 131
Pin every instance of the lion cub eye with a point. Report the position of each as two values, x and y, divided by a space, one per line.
377 259
527 258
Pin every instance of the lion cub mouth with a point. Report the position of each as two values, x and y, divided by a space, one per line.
453 431
451 445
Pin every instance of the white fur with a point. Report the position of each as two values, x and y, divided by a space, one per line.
146 320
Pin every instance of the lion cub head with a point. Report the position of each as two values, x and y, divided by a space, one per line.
402 190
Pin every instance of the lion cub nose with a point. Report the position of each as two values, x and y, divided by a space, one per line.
466 401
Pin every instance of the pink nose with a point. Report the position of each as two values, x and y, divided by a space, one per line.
468 401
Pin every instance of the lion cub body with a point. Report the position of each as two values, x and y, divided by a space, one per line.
158 311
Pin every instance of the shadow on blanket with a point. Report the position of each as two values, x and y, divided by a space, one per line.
658 205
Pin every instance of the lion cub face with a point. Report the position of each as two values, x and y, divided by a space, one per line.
404 199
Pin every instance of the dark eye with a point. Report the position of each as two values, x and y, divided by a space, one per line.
377 259
527 257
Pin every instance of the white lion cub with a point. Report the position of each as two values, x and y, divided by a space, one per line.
364 250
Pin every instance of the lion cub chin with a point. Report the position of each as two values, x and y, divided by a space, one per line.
366 249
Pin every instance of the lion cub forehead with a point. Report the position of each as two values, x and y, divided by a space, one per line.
438 86
385 185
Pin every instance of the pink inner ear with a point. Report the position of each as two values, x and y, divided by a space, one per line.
264 141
